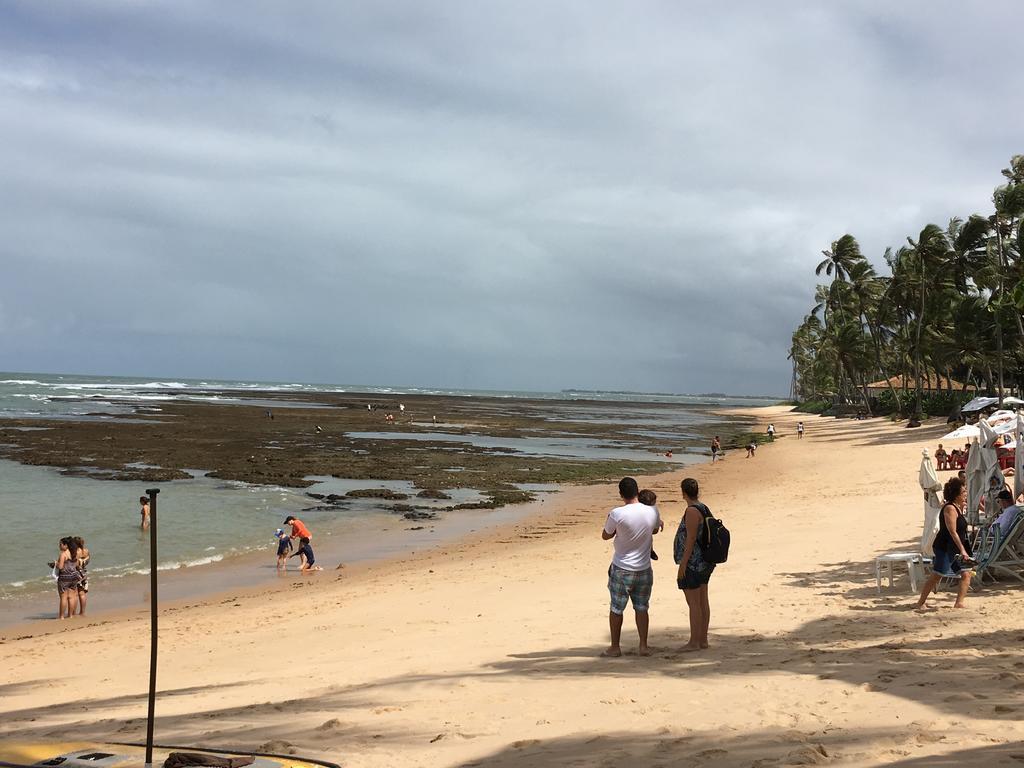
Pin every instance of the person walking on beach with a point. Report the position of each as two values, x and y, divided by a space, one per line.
751 447
799 430
951 549
630 577
694 571
144 501
82 563
716 448
771 433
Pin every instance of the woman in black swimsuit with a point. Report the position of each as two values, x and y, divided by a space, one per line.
951 549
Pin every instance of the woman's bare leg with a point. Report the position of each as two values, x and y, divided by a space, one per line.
965 584
83 600
696 618
705 615
926 590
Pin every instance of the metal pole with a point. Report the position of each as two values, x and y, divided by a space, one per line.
152 492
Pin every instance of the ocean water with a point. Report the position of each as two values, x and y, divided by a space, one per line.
203 521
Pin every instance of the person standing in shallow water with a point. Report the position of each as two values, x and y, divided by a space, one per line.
694 571
68 579
630 577
144 501
716 448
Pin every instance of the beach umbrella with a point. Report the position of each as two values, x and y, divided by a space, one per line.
1018 460
1000 416
978 403
975 480
966 432
1013 402
1005 427
931 486
993 479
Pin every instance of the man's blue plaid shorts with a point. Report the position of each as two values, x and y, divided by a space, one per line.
626 585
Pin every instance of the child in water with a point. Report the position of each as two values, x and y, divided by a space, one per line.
284 546
649 498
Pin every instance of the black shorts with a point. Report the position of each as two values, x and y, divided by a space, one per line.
693 579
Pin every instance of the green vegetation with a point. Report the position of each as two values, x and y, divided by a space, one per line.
950 308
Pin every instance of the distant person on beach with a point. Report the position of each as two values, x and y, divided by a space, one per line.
82 563
630 577
951 549
650 498
716 448
401 407
305 554
751 447
694 571
144 501
68 578
771 433
799 430
284 546
941 458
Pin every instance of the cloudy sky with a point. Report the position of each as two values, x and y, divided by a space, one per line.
533 195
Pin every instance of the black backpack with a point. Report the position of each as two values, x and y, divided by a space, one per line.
716 539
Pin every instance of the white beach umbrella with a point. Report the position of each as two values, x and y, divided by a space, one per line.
1000 416
1013 402
993 476
1005 427
975 479
1018 460
932 505
966 432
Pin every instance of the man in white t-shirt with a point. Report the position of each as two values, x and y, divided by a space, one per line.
630 577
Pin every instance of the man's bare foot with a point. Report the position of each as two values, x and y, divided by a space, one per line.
704 646
959 605
611 652
644 651
689 648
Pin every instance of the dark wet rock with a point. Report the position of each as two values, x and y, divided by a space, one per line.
402 508
315 495
419 515
376 493
433 493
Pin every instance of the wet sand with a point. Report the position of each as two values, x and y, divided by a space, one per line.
484 652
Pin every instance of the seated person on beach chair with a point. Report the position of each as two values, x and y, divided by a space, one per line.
941 458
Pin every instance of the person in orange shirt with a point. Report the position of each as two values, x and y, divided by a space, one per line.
299 531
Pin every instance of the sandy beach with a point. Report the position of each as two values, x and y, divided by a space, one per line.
485 652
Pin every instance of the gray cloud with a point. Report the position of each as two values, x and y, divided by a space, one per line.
506 195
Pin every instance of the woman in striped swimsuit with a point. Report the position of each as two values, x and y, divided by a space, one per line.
83 571
68 579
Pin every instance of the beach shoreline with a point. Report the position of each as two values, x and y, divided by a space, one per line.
228 544
486 651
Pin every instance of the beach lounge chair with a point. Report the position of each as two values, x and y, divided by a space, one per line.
1000 555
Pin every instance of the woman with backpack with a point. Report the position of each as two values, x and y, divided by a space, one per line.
694 569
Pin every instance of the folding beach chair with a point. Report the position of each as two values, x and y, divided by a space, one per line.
1000 555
